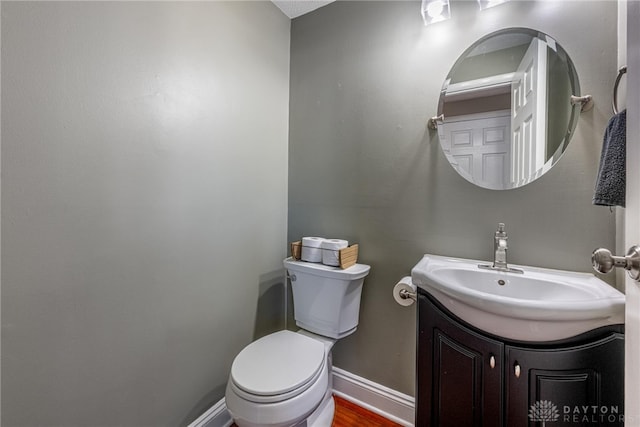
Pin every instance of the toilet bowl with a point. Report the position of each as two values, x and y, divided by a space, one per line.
278 380
284 379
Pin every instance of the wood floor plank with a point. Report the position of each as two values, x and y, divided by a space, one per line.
351 415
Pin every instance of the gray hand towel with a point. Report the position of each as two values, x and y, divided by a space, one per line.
611 183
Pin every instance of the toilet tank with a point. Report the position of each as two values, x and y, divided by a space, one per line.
326 300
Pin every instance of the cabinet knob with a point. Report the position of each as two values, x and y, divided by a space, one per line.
516 370
492 362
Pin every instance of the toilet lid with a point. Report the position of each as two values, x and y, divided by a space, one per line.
278 363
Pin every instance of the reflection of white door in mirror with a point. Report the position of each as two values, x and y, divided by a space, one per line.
528 105
530 76
479 146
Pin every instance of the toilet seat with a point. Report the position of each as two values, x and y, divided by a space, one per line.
277 367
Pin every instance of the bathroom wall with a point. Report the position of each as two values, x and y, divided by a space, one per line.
144 196
365 77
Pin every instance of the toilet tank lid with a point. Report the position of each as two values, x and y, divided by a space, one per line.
277 363
354 272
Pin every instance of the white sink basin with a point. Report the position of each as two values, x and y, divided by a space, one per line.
539 305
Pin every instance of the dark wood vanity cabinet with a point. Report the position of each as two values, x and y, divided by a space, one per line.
584 382
459 372
467 378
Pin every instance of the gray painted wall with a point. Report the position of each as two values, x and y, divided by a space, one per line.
145 148
365 76
144 196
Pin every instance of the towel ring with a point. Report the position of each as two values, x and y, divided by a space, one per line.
614 103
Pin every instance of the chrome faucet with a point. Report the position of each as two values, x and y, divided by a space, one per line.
500 252
500 248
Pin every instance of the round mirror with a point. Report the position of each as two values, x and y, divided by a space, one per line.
505 114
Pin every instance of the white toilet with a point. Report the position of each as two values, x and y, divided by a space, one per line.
284 379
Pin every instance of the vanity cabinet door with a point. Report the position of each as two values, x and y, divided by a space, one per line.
572 386
459 372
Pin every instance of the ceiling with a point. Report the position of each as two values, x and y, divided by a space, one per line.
295 8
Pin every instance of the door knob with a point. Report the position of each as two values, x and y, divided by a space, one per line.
604 262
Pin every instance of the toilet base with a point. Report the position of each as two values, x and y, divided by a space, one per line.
322 416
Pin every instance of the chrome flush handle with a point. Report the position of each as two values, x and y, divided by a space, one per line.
603 261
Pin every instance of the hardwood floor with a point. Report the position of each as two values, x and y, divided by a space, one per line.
351 415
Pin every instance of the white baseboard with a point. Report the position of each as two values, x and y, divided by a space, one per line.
391 404
216 416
